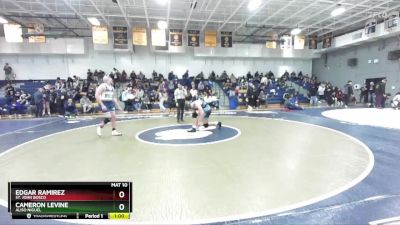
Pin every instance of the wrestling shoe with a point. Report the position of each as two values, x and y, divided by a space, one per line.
192 130
219 125
98 131
116 133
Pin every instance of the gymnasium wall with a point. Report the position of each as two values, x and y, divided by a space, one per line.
50 66
336 70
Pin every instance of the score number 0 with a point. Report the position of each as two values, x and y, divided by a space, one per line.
121 206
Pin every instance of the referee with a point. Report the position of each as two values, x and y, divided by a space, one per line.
180 95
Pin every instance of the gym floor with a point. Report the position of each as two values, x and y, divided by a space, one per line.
268 167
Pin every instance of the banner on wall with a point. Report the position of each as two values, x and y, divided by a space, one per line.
100 35
286 42
312 42
13 33
193 38
158 37
272 40
120 37
210 38
36 29
370 26
226 39
392 20
327 40
299 42
139 36
175 37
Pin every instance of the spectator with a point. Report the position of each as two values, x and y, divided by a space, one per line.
186 75
348 93
291 102
313 95
193 93
10 92
38 100
262 99
70 109
86 104
212 76
371 94
163 97
8 72
396 101
380 94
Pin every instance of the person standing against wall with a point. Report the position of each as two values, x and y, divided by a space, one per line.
180 95
380 88
348 93
8 72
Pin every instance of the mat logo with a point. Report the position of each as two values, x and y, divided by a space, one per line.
179 135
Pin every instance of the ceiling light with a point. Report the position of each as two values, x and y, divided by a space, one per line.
162 2
254 4
94 21
295 31
338 11
162 25
2 20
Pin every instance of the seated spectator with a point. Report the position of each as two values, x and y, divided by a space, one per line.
70 109
124 76
127 98
146 102
212 76
224 76
201 87
290 102
200 76
193 93
86 104
186 75
171 75
396 101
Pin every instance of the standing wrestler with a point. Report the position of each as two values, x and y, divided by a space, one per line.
201 113
107 101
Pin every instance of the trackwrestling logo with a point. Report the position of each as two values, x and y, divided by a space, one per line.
178 135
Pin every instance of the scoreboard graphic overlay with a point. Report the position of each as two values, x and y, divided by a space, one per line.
70 200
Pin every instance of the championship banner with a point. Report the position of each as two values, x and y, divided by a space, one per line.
272 39
286 42
193 38
175 37
36 29
158 37
120 37
226 39
210 38
327 40
139 36
312 42
370 27
13 32
100 35
391 21
299 42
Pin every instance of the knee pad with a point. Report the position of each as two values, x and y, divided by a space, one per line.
205 125
106 120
